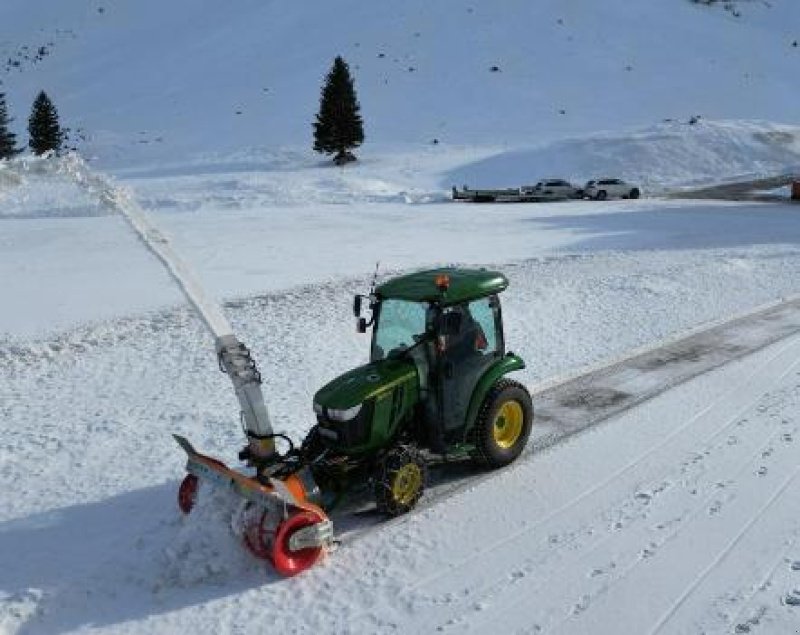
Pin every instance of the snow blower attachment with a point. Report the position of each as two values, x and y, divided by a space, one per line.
281 524
281 521
434 390
284 525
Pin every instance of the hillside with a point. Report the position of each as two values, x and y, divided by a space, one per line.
149 79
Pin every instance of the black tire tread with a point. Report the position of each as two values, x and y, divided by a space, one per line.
485 453
389 465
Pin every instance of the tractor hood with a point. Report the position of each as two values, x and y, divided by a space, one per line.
365 382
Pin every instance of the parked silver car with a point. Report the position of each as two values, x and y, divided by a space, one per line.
550 190
601 189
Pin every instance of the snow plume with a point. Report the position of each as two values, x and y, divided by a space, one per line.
204 549
122 201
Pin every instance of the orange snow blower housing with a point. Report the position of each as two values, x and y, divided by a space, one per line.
280 522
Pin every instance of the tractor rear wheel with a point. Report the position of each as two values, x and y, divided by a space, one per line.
503 424
400 480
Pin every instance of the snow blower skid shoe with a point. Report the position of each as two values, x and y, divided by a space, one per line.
279 523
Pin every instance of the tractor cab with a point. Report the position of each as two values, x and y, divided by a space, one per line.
437 351
448 322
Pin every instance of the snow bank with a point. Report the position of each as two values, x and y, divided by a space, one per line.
659 158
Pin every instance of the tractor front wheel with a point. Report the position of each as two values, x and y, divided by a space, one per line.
400 480
503 425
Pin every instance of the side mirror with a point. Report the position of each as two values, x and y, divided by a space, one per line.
357 306
361 325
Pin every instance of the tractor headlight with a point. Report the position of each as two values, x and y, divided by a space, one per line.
344 415
317 409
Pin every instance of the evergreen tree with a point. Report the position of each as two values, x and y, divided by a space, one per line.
339 127
45 132
8 140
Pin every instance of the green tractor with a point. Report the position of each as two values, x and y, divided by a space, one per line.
435 386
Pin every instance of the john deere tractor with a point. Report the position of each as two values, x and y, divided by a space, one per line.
435 387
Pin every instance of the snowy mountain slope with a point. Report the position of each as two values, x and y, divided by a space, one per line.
147 79
659 158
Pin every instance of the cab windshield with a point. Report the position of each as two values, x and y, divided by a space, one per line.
400 326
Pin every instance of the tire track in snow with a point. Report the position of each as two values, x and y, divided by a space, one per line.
682 526
616 574
730 397
493 563
782 563
659 627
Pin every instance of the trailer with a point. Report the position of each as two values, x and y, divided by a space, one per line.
547 190
522 194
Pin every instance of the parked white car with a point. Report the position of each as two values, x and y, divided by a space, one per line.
550 190
601 189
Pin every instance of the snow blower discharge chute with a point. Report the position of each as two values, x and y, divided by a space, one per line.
435 390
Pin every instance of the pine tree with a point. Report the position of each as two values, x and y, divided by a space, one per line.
8 140
45 132
339 127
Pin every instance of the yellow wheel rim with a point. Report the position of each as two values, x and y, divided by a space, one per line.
508 424
407 483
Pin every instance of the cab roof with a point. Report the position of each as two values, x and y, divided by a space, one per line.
464 285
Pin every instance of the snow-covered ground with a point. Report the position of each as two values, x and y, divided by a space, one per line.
101 364
280 220
678 516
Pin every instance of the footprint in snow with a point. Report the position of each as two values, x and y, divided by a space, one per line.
755 620
716 506
581 605
649 551
793 598
796 565
598 571
762 471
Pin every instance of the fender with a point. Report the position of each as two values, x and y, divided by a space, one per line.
507 364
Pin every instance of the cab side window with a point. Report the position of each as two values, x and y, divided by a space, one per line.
486 335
